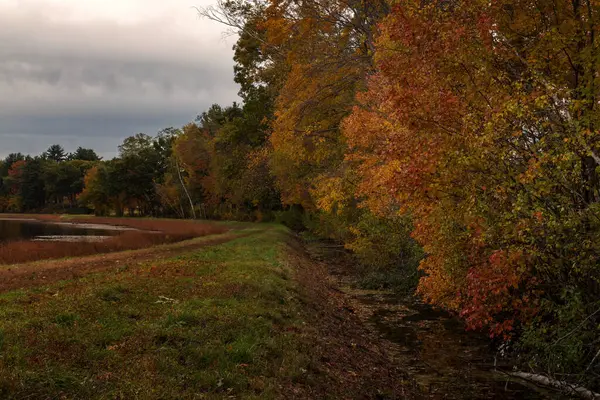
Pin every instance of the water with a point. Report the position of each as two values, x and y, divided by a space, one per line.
14 230
446 361
433 347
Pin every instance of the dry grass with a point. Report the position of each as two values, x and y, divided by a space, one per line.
151 233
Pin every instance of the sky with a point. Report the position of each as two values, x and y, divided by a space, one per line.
92 72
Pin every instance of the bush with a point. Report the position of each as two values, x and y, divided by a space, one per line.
383 246
293 218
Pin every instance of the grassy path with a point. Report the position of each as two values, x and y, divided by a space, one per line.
246 317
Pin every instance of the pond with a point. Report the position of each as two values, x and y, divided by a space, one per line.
29 229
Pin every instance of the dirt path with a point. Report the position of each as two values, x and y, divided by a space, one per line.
45 272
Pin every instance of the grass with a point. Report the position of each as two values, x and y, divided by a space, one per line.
164 231
217 322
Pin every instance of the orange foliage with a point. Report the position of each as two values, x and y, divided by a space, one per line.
327 58
466 125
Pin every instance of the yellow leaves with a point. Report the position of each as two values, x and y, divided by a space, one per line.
532 172
319 89
331 194
277 29
542 101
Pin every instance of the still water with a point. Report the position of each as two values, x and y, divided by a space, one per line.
13 230
446 361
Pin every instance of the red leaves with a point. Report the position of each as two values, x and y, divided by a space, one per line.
16 170
497 293
432 130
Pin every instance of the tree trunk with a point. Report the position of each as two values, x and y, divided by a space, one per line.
185 189
565 387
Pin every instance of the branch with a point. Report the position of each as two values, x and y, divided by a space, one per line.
577 327
573 390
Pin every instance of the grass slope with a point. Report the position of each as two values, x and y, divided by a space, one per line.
217 322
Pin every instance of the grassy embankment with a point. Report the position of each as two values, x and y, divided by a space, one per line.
215 322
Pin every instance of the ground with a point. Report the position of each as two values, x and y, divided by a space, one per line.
244 314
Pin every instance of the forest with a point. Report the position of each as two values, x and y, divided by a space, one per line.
453 147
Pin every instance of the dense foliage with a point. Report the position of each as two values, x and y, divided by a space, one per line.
481 120
50 181
458 136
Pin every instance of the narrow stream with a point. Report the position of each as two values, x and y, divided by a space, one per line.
446 361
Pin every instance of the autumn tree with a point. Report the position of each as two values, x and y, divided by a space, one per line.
481 122
7 191
8 162
328 48
224 162
64 180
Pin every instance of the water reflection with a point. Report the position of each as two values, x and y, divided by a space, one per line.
13 230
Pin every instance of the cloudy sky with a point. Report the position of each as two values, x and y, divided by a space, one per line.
92 72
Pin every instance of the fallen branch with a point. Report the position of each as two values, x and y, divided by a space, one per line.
573 390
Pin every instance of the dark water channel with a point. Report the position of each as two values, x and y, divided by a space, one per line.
446 361
13 230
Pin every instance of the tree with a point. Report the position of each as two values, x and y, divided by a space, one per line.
13 183
65 180
9 161
191 153
328 46
55 153
143 163
136 145
32 186
97 191
84 155
6 181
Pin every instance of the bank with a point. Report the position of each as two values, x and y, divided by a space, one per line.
246 317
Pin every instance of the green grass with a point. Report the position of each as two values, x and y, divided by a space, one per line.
214 323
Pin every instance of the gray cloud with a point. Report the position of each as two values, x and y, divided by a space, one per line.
94 82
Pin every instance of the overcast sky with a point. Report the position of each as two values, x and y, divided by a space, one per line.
92 72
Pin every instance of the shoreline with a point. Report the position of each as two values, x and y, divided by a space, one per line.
84 225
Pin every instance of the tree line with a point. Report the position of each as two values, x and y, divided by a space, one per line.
210 168
451 143
52 179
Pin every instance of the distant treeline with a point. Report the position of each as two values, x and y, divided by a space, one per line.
51 180
181 173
